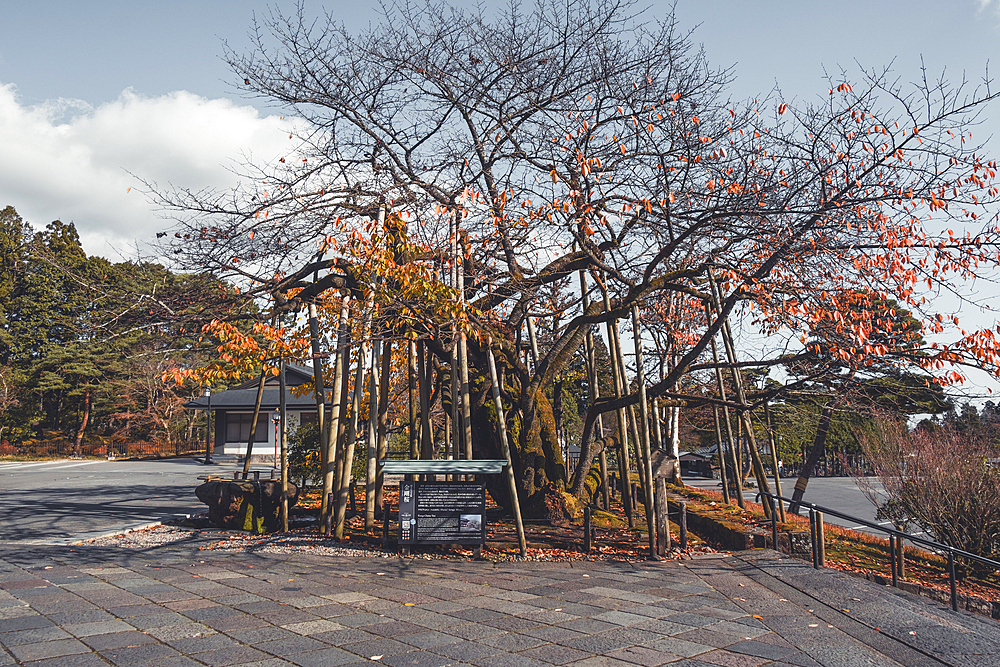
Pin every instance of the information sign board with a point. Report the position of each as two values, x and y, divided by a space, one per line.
442 513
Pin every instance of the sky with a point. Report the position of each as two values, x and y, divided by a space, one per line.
98 98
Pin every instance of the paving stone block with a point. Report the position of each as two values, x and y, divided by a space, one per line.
48 649
79 660
329 657
236 655
118 640
416 659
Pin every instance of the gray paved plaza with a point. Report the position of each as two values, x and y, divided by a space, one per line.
181 605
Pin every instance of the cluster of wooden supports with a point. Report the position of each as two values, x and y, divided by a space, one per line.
341 429
653 485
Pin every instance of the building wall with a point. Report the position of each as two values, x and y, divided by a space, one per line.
265 448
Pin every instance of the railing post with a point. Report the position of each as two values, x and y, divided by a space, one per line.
812 537
682 524
892 560
774 523
329 515
900 558
820 541
951 577
586 529
385 524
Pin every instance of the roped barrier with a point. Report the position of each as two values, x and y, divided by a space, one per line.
895 537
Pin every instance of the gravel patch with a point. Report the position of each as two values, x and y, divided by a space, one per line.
307 540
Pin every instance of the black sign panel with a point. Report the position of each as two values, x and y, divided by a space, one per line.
442 513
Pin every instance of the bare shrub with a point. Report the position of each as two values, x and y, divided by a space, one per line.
941 479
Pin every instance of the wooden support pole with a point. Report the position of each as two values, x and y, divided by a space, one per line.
412 397
727 339
463 363
423 378
332 433
319 387
623 462
253 424
372 459
774 459
509 467
283 411
721 386
383 415
647 470
722 457
346 483
456 400
595 391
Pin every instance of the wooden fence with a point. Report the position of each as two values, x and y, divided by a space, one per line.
113 449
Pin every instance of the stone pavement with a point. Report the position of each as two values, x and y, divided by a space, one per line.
178 605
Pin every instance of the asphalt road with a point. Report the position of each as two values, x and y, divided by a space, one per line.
59 502
838 493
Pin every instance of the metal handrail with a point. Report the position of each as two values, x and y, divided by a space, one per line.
894 537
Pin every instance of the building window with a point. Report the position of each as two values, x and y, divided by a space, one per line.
238 427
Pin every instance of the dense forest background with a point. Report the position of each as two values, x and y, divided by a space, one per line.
85 342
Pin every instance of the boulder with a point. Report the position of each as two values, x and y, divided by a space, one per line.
254 506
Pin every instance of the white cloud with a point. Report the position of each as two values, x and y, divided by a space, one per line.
69 161
989 5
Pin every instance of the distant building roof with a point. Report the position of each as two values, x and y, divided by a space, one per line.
244 396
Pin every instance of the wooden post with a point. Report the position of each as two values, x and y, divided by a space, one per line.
682 524
423 380
456 412
900 558
463 358
284 446
592 379
722 457
774 460
456 401
662 520
334 424
372 468
385 525
586 530
412 398
383 412
647 469
737 468
727 339
319 387
821 540
346 483
623 462
253 424
509 468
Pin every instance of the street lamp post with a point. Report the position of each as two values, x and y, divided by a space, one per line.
208 427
